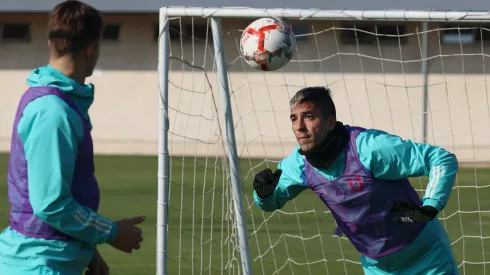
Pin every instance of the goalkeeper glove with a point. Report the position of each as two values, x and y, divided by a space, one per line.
412 213
265 182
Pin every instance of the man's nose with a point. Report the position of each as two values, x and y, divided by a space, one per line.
300 125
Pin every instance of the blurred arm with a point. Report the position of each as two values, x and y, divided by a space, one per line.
50 137
290 184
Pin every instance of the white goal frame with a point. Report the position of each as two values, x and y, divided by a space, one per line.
215 14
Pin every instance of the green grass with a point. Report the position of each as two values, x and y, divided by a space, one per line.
202 238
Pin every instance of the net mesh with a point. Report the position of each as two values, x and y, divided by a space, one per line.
375 73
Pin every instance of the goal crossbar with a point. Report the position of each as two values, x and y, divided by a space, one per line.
324 14
215 14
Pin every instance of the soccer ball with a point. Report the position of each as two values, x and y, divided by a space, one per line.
267 44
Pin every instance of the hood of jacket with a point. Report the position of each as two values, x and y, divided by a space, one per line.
82 95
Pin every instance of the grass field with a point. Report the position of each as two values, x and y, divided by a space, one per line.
202 240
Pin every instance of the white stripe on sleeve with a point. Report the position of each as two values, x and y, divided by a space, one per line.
437 172
99 223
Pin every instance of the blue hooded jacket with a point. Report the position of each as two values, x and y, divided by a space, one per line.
51 156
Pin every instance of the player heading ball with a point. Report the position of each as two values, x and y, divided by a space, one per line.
361 176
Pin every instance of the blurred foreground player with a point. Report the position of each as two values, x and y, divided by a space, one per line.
361 176
54 196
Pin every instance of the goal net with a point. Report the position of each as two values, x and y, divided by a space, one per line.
376 71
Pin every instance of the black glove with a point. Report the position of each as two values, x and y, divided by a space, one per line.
412 213
265 182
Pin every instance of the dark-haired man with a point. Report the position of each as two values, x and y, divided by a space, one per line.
54 196
361 176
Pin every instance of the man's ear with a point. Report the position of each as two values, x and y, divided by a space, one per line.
89 50
331 122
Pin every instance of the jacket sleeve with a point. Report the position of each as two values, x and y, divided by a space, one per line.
290 184
390 157
50 132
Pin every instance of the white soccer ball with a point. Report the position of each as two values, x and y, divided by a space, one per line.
268 44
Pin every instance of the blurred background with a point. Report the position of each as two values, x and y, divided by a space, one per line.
374 69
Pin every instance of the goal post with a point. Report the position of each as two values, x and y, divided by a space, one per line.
163 154
221 121
235 175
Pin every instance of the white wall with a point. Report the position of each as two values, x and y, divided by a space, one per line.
368 91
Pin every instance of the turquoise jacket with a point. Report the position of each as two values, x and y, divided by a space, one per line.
387 157
49 174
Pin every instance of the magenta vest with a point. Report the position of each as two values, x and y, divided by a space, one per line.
360 204
84 187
